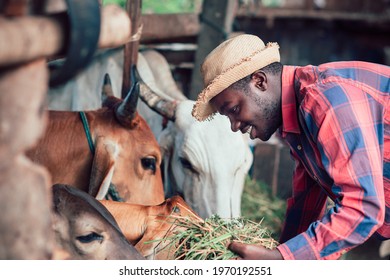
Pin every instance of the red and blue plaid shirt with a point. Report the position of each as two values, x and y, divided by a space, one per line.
336 121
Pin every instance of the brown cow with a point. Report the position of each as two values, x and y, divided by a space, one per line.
126 153
142 224
85 229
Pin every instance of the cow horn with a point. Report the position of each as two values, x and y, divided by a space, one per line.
127 110
106 91
156 103
107 87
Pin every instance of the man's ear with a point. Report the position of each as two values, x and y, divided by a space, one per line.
260 79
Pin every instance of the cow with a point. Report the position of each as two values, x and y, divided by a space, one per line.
206 162
109 152
84 229
148 227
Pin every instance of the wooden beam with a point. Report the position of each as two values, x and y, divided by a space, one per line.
168 27
277 13
29 37
164 28
133 8
216 25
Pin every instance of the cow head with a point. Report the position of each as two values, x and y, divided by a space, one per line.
205 162
85 229
149 227
208 163
127 154
122 161
155 243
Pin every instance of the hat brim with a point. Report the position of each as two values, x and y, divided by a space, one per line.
202 109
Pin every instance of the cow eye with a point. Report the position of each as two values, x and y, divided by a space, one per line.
176 209
149 163
186 164
89 237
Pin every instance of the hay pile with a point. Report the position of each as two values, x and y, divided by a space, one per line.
194 239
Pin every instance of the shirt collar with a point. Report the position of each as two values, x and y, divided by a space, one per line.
289 106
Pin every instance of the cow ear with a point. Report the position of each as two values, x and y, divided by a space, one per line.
103 165
165 140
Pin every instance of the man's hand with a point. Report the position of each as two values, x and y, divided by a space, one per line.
254 252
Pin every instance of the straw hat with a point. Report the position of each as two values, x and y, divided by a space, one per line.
231 61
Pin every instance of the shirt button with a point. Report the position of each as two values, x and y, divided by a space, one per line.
299 147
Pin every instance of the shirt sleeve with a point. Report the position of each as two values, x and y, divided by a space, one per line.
346 124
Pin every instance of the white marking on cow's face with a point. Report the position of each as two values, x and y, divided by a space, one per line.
112 149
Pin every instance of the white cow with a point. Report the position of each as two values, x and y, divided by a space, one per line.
205 162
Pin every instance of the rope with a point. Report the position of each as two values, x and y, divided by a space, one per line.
87 132
113 194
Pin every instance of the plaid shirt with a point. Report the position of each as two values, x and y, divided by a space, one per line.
336 122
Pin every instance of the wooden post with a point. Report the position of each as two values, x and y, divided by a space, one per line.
25 195
216 24
133 8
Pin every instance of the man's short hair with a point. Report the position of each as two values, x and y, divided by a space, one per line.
273 69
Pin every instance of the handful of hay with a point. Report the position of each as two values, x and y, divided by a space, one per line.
194 239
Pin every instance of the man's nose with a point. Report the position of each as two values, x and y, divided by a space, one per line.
235 125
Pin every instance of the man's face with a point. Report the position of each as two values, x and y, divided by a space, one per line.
254 110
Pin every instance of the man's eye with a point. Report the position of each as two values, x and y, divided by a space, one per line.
234 110
93 236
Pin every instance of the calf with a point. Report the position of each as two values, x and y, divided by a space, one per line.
85 229
147 227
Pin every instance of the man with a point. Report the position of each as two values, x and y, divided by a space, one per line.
335 119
